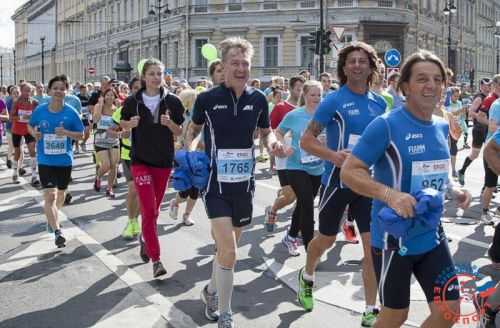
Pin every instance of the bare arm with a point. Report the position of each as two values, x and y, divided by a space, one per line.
474 107
492 156
192 133
492 126
310 143
4 115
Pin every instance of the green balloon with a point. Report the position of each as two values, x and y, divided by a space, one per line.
209 51
140 65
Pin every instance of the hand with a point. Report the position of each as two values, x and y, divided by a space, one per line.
134 121
100 101
165 119
463 198
60 131
277 149
339 157
402 203
38 134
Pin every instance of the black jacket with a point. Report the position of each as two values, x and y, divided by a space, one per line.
153 143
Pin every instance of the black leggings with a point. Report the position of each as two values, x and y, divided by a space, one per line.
306 188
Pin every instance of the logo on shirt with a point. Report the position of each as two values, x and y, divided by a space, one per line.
416 149
411 136
219 107
350 104
143 180
353 112
248 107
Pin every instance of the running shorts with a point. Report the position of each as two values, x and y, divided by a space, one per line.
238 207
54 176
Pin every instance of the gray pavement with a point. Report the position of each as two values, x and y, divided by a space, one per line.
98 280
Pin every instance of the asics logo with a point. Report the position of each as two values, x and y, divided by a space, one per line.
410 136
350 104
219 107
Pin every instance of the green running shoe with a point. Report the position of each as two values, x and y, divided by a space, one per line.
461 178
305 294
136 227
368 319
128 233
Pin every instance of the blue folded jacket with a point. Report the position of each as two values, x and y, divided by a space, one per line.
191 169
428 212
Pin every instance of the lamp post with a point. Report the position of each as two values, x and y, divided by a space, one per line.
1 69
42 41
449 10
497 37
15 77
159 9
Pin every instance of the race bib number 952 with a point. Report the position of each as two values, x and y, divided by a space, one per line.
429 174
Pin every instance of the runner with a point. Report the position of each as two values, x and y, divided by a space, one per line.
154 115
458 112
402 145
285 196
344 114
303 170
22 109
106 141
13 91
86 117
40 96
54 125
231 113
478 112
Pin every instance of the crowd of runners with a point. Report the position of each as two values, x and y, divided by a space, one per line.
377 152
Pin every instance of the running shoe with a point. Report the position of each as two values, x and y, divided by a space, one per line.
15 178
225 320
110 194
349 232
128 232
173 209
186 220
291 244
368 319
211 302
486 218
68 198
9 164
60 240
84 147
461 178
142 250
305 293
34 182
158 269
22 171
136 227
97 184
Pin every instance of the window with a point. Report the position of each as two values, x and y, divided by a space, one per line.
199 60
271 51
386 3
175 54
306 51
345 3
308 4
269 4
234 5
200 6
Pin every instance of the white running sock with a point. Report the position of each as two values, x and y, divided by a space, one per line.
369 308
224 278
212 285
307 276
33 167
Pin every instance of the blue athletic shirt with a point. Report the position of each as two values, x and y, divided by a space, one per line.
230 123
409 155
494 115
345 115
69 99
41 99
51 149
296 122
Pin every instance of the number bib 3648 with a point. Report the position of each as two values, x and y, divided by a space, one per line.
429 174
234 165
54 144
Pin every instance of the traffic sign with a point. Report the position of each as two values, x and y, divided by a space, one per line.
91 70
392 57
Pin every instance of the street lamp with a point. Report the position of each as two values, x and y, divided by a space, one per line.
449 10
42 41
159 9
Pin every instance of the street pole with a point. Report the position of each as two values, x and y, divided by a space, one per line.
449 40
1 69
322 32
159 31
42 40
15 77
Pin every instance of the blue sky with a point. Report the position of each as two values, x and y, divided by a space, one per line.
7 8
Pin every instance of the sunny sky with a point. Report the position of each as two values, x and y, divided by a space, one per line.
7 8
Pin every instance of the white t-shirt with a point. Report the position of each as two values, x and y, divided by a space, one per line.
151 102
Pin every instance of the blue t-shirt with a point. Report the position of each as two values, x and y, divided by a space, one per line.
51 149
296 122
494 114
496 136
71 100
409 155
41 99
345 115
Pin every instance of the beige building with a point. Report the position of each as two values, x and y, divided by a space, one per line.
111 35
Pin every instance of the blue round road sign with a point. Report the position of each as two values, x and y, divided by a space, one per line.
392 57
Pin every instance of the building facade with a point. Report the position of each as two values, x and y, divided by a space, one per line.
113 35
6 66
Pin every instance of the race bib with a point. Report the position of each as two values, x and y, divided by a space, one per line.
105 123
234 165
22 113
429 174
353 140
306 158
54 144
